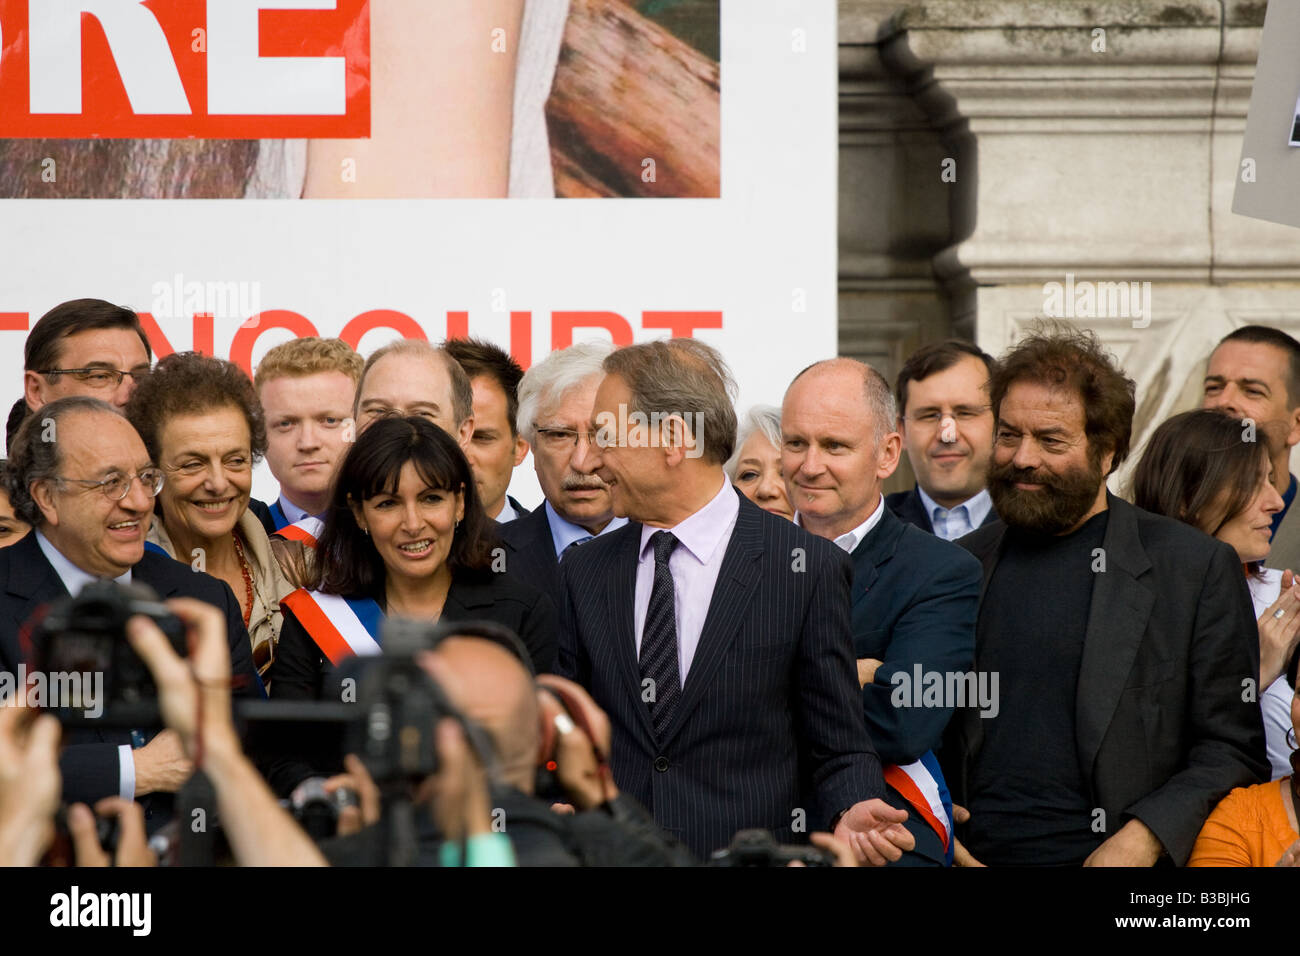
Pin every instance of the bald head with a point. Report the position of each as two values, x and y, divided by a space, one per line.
491 687
852 381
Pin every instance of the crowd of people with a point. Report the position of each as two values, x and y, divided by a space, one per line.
715 639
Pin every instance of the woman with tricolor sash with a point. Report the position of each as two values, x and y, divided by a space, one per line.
405 535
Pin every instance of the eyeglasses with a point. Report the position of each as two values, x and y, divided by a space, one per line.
101 377
563 439
962 413
117 487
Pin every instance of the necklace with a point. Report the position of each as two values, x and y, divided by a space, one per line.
248 579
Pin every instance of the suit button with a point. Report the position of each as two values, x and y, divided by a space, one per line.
661 764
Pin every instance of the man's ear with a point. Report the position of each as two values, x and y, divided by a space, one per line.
891 448
33 389
465 433
1293 432
521 450
43 494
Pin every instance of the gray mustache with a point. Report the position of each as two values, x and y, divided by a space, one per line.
583 484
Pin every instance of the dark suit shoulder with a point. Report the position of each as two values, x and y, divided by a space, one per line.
1167 540
170 577
921 547
262 512
525 529
983 539
490 587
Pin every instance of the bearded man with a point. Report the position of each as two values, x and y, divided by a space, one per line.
1122 643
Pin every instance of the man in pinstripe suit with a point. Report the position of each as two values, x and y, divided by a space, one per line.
716 636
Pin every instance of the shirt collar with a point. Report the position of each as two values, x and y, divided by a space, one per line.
292 511
850 540
977 506
507 513
73 577
704 531
564 533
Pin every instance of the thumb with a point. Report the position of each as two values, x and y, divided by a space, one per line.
85 841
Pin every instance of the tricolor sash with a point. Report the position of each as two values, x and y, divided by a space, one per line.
921 784
341 627
307 531
278 517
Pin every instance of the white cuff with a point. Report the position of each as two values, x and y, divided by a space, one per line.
125 772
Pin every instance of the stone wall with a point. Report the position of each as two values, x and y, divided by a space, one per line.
1090 141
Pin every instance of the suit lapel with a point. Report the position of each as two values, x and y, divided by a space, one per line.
873 551
1117 621
736 579
620 607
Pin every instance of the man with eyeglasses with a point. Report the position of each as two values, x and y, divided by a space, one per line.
947 427
556 397
83 347
80 474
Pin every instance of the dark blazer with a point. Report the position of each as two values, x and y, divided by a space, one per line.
909 507
1164 724
302 672
768 723
520 510
262 511
89 761
530 551
915 601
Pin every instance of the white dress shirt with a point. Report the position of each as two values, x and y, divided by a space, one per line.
74 579
508 512
695 563
565 533
951 523
849 540
1275 702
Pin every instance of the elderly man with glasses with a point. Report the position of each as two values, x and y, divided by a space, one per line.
555 404
81 476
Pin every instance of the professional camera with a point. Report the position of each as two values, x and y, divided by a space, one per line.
316 809
82 640
759 848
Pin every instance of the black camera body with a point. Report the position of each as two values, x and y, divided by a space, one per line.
86 635
759 848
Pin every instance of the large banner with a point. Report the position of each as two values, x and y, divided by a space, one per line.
707 131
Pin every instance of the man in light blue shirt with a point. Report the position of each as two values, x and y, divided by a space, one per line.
946 422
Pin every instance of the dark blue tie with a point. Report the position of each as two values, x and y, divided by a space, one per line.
659 639
573 544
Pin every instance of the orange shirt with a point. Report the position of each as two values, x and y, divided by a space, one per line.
1248 828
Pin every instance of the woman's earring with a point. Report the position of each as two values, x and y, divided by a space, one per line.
365 531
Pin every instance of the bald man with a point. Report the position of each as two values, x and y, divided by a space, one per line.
491 686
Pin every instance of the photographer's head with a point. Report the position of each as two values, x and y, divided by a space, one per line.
80 474
492 687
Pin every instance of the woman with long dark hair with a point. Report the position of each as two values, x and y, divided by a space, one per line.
406 536
1205 469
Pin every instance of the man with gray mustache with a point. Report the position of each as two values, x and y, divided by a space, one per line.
556 397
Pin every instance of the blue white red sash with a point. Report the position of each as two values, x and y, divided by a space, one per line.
307 531
278 517
341 627
922 785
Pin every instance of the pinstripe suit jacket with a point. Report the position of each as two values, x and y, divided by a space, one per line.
768 731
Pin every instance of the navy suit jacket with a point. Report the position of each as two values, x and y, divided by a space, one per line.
530 551
915 601
768 723
908 506
1164 726
89 761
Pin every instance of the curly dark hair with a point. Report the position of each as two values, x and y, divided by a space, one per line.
1060 356
347 562
191 383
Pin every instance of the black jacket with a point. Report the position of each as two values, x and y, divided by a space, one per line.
768 731
89 761
621 834
1164 721
530 551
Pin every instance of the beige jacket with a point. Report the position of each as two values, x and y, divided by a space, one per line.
270 585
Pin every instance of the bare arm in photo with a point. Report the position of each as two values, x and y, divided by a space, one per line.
442 92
